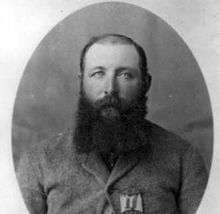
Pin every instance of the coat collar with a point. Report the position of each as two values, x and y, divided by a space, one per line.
123 165
94 164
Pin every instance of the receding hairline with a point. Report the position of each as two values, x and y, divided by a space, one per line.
114 39
107 46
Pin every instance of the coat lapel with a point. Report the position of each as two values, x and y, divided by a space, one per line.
94 165
124 164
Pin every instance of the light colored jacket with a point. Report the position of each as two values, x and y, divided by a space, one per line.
165 175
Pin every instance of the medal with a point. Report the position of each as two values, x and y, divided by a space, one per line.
131 203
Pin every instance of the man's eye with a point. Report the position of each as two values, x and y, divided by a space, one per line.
127 75
98 74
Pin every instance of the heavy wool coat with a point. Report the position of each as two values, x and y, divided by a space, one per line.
166 174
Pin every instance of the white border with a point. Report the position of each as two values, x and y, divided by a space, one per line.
24 23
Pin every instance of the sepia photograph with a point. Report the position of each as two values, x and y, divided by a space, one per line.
112 114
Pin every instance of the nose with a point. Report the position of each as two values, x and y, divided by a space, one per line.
110 85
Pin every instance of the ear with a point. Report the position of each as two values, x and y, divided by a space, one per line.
148 79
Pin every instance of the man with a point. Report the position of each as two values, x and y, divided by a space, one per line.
113 160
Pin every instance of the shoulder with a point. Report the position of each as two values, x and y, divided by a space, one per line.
161 137
51 150
166 144
59 144
169 152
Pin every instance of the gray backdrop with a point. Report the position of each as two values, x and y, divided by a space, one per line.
48 92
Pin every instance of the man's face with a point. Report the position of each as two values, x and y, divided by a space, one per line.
112 69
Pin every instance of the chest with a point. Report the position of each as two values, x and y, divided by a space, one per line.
147 187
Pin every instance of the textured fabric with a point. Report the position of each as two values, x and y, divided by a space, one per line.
108 209
165 171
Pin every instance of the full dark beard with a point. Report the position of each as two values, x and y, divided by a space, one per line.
106 127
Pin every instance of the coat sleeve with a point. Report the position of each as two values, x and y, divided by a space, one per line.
29 179
194 180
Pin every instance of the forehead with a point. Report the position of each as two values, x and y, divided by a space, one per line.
111 55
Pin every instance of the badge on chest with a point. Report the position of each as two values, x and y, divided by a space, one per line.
131 203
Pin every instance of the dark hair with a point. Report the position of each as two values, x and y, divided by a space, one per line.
120 39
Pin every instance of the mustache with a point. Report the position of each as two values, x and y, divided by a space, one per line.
110 100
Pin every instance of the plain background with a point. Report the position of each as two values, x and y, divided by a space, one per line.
27 22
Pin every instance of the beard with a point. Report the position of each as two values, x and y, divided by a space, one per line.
105 127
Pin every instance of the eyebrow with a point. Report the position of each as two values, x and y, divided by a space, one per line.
120 69
98 68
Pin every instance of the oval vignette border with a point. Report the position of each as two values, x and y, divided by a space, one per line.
40 99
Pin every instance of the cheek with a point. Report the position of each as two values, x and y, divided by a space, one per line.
91 90
130 91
